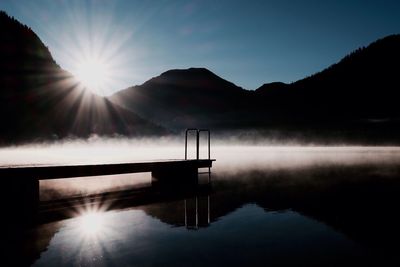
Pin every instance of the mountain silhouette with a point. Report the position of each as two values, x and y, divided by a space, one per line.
40 101
180 99
354 99
362 86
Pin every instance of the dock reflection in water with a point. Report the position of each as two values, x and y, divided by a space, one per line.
313 216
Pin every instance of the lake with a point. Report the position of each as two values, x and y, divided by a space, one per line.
266 206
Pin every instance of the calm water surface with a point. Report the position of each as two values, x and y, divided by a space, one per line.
288 207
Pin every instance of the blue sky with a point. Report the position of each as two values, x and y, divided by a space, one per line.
246 42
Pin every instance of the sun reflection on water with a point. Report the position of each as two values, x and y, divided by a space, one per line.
92 223
91 235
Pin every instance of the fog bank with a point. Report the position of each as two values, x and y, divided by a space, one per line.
232 158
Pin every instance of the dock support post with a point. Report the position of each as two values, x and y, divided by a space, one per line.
20 197
175 176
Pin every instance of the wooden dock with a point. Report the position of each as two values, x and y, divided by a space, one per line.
20 184
157 168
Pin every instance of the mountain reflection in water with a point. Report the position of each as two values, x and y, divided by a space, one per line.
314 215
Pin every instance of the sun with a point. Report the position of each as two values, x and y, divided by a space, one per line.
94 74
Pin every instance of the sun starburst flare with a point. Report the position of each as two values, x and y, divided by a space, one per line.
94 74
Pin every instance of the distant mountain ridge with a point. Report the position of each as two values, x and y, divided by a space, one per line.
363 85
185 98
41 101
357 94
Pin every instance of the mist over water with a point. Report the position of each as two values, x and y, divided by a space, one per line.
234 160
231 153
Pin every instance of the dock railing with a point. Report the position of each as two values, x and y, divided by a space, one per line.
197 132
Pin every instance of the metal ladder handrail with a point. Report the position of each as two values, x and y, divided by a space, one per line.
198 131
209 143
